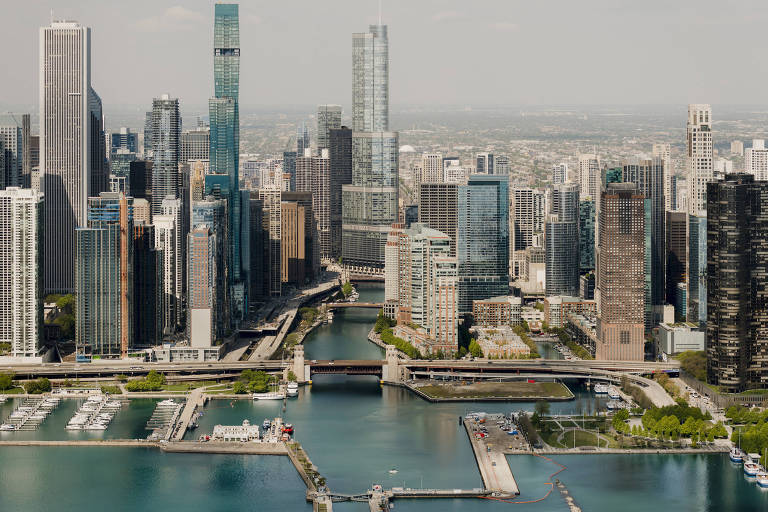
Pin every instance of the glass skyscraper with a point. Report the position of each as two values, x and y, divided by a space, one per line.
370 202
562 241
225 121
483 239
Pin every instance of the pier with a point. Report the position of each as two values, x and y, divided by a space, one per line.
195 400
494 469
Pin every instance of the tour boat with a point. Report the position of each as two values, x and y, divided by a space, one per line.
292 389
752 468
762 479
601 389
736 455
272 395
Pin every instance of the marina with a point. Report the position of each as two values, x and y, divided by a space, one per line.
165 416
29 414
96 413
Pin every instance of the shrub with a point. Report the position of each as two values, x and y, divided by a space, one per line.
35 387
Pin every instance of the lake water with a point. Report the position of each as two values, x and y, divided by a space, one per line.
355 431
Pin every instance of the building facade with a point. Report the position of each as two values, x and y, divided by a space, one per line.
438 209
562 241
699 157
166 131
328 118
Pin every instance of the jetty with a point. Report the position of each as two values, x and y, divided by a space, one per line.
195 400
492 462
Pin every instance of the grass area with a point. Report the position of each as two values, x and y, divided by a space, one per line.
187 386
573 438
13 391
518 389
223 391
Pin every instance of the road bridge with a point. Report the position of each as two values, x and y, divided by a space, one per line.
340 305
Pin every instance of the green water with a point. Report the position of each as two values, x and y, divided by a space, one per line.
355 431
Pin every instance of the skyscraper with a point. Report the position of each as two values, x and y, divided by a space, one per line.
587 235
648 176
431 168
737 283
699 158
21 290
72 145
589 176
328 118
484 163
104 276
620 286
677 250
169 239
756 160
559 173
303 142
340 154
225 122
195 144
12 143
483 239
696 273
202 287
562 241
313 175
147 284
370 202
166 131
664 152
528 212
438 209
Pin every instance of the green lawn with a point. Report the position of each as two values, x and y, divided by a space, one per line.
187 386
13 391
519 389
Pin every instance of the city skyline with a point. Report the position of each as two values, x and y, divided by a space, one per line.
268 42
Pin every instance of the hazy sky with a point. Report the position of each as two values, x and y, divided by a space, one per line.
442 52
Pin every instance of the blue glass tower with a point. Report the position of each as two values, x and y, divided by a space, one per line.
225 122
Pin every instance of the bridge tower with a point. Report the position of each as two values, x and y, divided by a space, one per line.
391 370
299 368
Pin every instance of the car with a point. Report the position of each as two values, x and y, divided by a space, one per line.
330 362
314 361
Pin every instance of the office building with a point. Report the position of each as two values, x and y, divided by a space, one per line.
699 157
664 152
104 277
501 165
302 139
288 168
483 239
648 176
211 214
21 283
562 241
166 130
370 202
677 250
270 200
293 247
340 154
737 283
484 163
438 209
147 282
453 171
328 118
72 145
756 160
169 238
587 235
528 214
737 148
123 139
620 286
432 168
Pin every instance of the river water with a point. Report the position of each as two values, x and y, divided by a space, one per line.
356 431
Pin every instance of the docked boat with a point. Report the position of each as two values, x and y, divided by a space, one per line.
272 395
292 389
167 403
762 479
736 455
288 428
266 424
3 399
7 427
752 468
601 389
613 394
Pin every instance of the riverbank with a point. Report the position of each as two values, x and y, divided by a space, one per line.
519 391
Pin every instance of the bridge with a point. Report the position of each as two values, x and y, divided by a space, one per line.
372 367
371 305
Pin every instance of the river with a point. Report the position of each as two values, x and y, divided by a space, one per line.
356 431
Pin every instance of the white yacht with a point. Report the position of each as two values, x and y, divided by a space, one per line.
613 394
292 389
762 479
736 455
272 395
601 389
752 468
7 427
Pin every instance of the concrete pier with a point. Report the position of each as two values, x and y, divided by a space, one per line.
194 400
492 463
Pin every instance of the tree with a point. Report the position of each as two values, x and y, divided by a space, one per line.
292 376
239 388
347 289
6 381
35 387
541 407
474 348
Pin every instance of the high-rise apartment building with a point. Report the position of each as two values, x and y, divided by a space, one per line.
501 165
123 139
104 277
483 239
328 118
677 251
587 220
225 127
313 174
12 134
696 273
528 213
302 139
699 157
620 286
169 238
756 160
562 241
21 283
370 202
166 131
438 209
432 168
201 299
664 152
72 145
211 214
589 176
559 173
737 283
195 144
147 282
737 147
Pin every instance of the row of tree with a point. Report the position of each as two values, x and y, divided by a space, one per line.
154 381
744 416
253 382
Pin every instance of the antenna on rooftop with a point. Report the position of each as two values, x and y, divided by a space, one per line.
379 12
